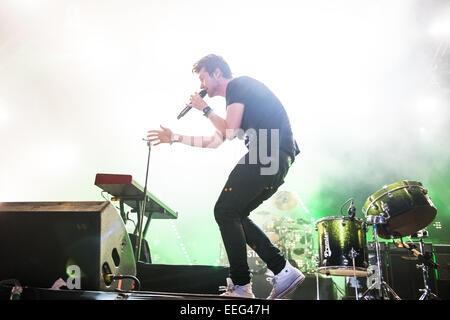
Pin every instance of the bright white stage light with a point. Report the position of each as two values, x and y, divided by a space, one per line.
441 28
59 156
428 104
428 109
3 114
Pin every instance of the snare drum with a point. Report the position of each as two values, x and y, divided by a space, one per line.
403 208
342 246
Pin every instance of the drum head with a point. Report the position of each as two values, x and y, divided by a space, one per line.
407 223
344 271
405 207
340 218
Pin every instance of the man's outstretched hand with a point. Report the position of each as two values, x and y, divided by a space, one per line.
162 136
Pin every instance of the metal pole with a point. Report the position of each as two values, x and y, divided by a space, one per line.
353 254
144 202
377 249
317 278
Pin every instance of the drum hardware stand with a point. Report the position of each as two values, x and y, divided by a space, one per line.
427 294
383 288
352 255
316 259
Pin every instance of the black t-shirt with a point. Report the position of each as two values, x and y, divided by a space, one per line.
264 115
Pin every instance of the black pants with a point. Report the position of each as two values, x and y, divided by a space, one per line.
245 189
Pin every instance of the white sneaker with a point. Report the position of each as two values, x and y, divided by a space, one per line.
286 282
232 290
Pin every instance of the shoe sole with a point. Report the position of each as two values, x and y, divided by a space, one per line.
237 296
291 288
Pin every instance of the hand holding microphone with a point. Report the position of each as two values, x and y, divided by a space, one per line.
193 100
165 135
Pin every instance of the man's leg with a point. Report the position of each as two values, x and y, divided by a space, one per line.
246 189
286 278
256 237
264 248
244 185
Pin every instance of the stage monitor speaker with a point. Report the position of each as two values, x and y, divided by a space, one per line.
442 255
76 241
405 278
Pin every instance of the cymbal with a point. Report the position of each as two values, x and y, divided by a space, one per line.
285 200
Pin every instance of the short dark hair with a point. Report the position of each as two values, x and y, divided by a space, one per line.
211 62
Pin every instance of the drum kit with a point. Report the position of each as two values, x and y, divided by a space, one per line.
395 211
398 210
294 238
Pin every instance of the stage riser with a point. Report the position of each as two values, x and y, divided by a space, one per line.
181 278
207 279
306 291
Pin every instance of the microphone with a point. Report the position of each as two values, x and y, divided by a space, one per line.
185 110
351 210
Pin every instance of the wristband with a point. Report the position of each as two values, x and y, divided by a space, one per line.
175 138
206 110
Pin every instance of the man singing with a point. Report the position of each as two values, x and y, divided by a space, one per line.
254 114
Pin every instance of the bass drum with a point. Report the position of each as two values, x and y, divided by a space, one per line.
340 240
404 208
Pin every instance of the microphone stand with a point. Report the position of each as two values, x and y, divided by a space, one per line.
143 205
